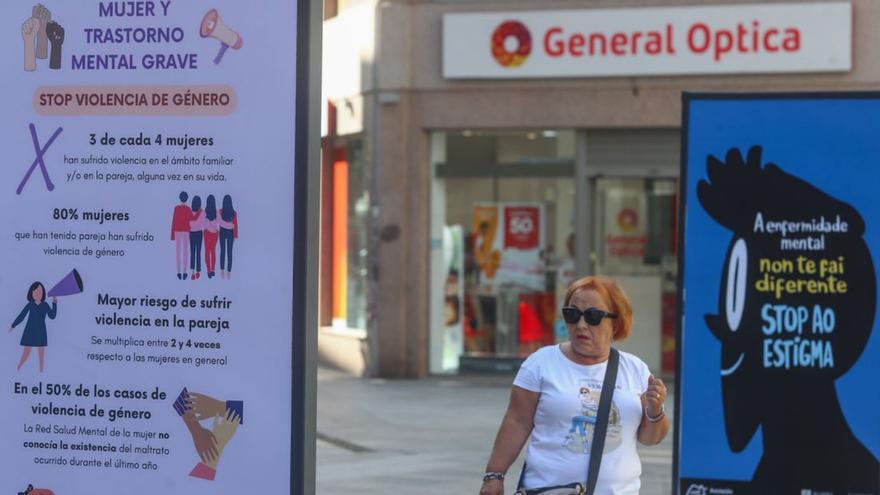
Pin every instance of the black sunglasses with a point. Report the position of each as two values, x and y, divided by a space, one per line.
593 316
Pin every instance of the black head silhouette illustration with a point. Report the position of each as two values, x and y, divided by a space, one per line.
795 310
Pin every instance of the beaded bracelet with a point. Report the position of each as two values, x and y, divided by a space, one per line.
493 475
658 417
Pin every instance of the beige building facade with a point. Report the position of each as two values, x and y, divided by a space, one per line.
424 174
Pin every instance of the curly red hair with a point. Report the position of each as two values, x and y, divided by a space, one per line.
615 298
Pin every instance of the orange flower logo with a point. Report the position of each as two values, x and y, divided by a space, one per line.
516 30
628 220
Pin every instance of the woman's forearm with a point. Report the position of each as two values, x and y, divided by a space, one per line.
652 433
510 439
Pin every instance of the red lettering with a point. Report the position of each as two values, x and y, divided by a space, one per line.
553 45
669 48
701 39
654 44
618 44
703 31
627 251
741 33
603 44
635 43
576 44
767 46
792 41
723 43
755 30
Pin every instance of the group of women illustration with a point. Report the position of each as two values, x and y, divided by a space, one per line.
194 225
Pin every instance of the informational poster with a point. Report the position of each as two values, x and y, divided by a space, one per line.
779 339
625 226
486 252
148 227
509 244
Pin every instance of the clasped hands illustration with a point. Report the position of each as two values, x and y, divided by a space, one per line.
193 408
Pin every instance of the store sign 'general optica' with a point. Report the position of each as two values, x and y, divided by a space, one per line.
813 37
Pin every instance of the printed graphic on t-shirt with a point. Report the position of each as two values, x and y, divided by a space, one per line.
579 438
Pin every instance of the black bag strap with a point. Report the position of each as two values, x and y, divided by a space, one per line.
602 420
608 383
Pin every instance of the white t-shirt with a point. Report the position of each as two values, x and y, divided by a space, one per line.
559 447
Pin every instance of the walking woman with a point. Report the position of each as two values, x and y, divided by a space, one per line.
34 334
195 239
210 223
228 233
554 401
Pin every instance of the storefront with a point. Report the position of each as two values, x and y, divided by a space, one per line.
505 153
504 204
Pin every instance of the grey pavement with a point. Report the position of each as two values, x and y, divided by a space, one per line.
429 436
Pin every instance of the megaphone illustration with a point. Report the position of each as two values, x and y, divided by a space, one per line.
71 284
213 26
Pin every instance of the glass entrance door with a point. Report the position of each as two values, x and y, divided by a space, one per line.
502 228
635 234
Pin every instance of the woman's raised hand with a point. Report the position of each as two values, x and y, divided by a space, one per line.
655 396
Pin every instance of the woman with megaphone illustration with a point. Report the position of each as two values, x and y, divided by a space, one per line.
34 334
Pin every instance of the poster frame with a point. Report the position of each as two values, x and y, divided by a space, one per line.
686 99
306 205
299 229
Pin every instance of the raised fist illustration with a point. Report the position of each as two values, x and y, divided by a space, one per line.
55 33
43 15
29 34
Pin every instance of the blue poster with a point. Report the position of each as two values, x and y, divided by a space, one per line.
779 342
